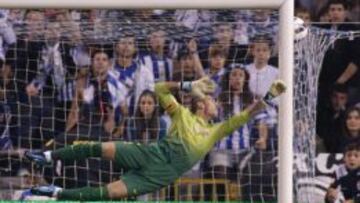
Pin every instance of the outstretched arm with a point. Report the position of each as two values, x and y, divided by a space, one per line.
227 127
166 99
198 88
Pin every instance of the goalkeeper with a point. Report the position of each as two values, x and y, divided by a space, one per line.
156 165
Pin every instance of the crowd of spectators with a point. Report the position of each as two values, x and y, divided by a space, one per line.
338 100
339 79
88 75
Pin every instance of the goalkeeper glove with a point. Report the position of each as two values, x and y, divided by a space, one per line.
277 88
199 88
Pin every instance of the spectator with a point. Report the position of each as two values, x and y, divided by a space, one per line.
329 123
35 22
337 11
250 23
261 22
346 176
148 15
56 78
91 118
189 66
225 159
351 129
323 16
7 35
92 111
16 18
69 28
157 60
144 20
341 63
319 5
194 19
241 27
111 15
262 75
7 38
147 125
22 62
235 94
303 14
217 58
223 35
354 11
130 72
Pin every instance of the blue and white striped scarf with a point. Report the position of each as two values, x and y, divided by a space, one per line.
115 93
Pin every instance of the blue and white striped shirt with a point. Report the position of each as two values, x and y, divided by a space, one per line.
162 69
52 65
239 139
246 136
136 79
126 75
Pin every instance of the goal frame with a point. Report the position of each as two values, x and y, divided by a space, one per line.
286 58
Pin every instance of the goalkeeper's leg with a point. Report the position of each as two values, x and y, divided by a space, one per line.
112 191
151 171
75 152
156 174
133 183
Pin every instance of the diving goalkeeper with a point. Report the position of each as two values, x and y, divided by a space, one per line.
155 165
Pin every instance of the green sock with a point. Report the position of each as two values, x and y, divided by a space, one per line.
84 194
78 152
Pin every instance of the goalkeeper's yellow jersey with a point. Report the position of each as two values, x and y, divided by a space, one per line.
190 137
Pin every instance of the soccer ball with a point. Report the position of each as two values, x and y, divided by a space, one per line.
301 30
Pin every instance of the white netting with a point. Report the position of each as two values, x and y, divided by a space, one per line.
40 121
309 55
251 173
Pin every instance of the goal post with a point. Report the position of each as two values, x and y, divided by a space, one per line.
286 63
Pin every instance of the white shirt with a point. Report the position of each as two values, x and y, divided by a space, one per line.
261 79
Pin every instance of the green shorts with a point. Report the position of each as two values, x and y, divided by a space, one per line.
149 169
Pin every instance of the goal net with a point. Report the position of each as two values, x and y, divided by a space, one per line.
54 51
309 53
